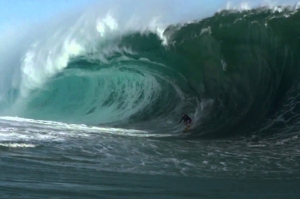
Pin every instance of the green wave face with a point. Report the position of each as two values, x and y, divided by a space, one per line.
230 72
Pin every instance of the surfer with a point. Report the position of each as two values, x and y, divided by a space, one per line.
186 121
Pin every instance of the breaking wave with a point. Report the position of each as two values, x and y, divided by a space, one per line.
233 72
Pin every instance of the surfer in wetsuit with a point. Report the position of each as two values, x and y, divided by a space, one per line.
186 121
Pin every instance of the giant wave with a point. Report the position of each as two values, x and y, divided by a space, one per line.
234 72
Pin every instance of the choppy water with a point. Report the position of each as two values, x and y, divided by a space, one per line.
57 160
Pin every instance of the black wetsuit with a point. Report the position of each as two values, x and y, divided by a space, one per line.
186 119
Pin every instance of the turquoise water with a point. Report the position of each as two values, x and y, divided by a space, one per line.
90 109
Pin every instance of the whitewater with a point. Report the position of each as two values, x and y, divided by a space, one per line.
90 102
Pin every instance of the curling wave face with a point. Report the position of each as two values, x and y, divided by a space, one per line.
229 72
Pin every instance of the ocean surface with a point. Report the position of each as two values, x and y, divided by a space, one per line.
90 105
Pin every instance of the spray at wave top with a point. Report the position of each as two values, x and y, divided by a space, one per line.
46 49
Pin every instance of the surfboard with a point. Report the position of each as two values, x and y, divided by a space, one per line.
186 129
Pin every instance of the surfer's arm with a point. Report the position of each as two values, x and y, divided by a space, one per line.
180 121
